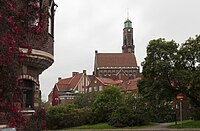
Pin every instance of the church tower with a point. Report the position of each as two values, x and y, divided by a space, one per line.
128 46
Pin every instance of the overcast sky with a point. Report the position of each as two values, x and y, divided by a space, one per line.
83 26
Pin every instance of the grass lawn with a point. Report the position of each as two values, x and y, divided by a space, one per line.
106 126
187 124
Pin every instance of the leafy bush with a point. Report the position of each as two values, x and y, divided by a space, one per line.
196 113
106 102
67 116
36 122
85 100
132 113
161 112
120 117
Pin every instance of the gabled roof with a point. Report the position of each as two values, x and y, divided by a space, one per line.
115 60
69 84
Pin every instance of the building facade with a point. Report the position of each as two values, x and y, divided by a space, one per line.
99 84
65 90
118 65
40 58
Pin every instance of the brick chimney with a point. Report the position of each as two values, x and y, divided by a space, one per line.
74 73
59 78
84 72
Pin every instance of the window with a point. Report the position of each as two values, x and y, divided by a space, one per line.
50 21
95 88
90 89
100 88
28 93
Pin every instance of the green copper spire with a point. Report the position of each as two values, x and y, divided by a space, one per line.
127 24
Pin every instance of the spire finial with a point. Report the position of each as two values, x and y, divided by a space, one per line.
127 13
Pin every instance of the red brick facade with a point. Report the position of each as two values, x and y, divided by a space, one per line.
38 60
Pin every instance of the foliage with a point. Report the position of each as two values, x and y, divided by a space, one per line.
86 100
110 105
36 122
106 102
161 113
196 113
67 116
170 69
133 112
18 29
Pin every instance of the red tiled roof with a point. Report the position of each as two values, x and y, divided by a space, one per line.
106 81
74 81
118 81
115 60
68 84
130 85
64 81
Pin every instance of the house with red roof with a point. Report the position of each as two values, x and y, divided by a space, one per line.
130 86
65 90
100 83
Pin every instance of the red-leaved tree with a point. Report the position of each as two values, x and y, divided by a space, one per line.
21 23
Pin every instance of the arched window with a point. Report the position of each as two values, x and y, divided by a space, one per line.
28 93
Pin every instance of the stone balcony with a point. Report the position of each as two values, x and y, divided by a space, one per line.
39 59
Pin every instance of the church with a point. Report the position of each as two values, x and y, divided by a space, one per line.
118 66
110 69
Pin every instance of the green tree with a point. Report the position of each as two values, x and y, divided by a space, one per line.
132 112
86 100
106 102
170 69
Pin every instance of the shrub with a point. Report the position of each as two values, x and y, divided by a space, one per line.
106 102
57 115
124 116
196 113
120 117
36 122
67 116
